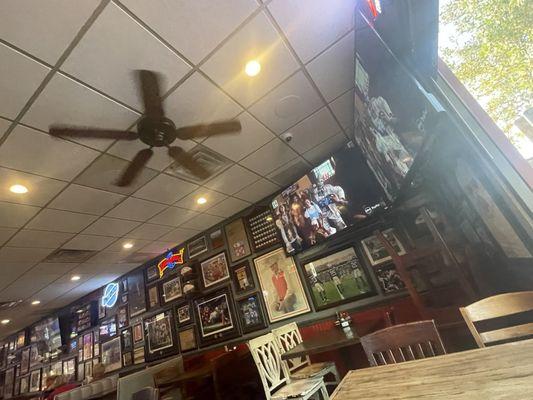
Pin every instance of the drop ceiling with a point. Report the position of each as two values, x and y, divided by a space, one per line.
72 63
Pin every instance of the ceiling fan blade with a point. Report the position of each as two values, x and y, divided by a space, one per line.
203 130
135 167
92 133
185 159
150 93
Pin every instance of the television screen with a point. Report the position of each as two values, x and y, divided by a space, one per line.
47 335
340 192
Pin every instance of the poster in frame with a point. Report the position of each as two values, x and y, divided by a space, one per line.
152 273
127 340
122 317
153 296
216 238
389 279
251 314
280 285
88 366
237 240
376 252
101 310
138 333
160 335
34 356
243 280
136 294
187 338
87 346
24 385
9 382
138 355
196 247
16 388
127 359
112 354
335 278
25 361
171 289
81 371
183 313
69 369
214 270
35 380
44 374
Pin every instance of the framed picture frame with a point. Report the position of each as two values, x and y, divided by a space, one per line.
280 284
214 270
184 314
96 349
263 230
124 299
25 361
138 355
45 373
108 328
127 339
124 285
136 294
9 383
251 314
15 388
138 333
243 280
335 278
35 380
34 356
153 296
159 335
69 369
81 371
152 273
196 247
57 368
237 240
216 317
127 359
389 279
112 354
376 252
216 239
122 317
101 310
88 367
24 385
87 346
187 338
171 289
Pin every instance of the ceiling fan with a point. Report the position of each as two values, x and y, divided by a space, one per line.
155 130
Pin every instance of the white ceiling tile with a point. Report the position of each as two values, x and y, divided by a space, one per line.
269 157
165 189
159 247
149 231
66 279
290 172
319 153
333 70
66 102
257 40
190 201
198 101
12 270
88 242
193 27
237 146
111 227
5 234
343 108
107 257
106 170
257 191
117 247
86 200
40 239
232 180
313 25
109 65
4 124
53 268
136 209
27 286
54 23
22 254
227 208
62 221
202 222
287 104
61 160
15 215
19 77
313 130
173 216
179 235
40 190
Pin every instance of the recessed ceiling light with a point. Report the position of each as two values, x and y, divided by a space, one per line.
252 68
201 200
5 321
35 302
18 189
127 245
75 278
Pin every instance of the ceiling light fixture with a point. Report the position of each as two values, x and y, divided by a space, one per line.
75 278
18 189
35 302
5 321
201 200
252 68
127 245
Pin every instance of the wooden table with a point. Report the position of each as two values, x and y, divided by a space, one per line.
325 341
493 373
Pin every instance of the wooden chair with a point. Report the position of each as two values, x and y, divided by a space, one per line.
502 305
288 337
275 376
403 342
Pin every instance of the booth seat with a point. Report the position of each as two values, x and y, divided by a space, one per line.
95 389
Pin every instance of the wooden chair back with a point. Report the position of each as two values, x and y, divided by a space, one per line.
289 336
499 306
267 358
405 342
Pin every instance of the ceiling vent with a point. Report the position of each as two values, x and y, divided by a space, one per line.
209 159
70 256
7 305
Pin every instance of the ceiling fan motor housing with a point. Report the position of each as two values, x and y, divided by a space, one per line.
156 133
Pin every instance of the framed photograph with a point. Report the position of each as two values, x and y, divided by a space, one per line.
136 294
69 369
172 289
81 371
389 279
96 360
153 297
34 356
152 273
214 270
124 285
243 280
263 230
187 339
122 317
112 354
24 385
138 334
21 339
138 355
375 251
45 373
15 389
87 346
127 359
9 383
183 313
96 350
238 245
88 367
251 313
217 239
216 317
197 247
336 278
35 380
80 353
127 340
280 285
124 299
57 368
159 335
101 310
108 328
25 361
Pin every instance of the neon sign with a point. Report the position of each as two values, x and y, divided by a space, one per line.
110 296
170 261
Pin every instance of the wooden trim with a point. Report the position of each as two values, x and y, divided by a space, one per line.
471 327
512 332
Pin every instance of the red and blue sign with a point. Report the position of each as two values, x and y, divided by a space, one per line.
170 261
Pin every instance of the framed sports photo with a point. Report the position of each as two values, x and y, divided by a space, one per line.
280 285
197 247
138 333
243 280
171 289
216 239
25 361
122 317
251 313
112 354
160 335
183 313
152 273
136 294
127 340
238 245
35 380
389 279
187 338
336 278
376 252
214 270
153 297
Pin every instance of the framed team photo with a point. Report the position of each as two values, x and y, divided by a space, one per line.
214 270
197 247
172 289
376 252
238 245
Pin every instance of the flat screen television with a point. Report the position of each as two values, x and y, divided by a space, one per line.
340 192
47 335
